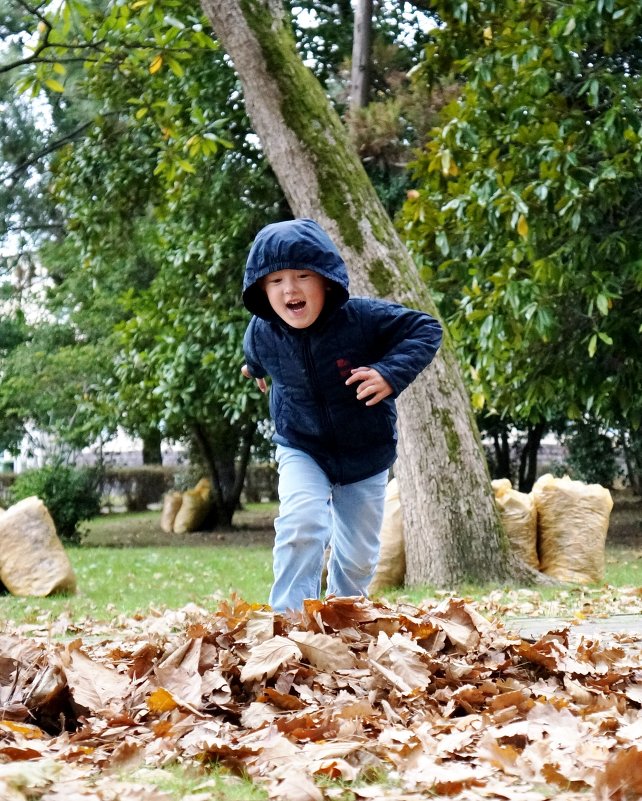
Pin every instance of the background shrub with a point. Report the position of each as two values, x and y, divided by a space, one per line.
70 494
592 456
136 487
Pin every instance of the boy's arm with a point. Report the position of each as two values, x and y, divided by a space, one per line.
252 367
409 340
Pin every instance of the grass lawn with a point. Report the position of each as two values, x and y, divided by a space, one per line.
127 565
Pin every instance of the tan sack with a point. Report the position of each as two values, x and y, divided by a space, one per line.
171 504
572 523
194 508
519 517
391 568
33 560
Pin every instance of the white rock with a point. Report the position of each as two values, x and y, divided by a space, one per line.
33 560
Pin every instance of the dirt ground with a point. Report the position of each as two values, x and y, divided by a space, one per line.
256 528
249 528
625 524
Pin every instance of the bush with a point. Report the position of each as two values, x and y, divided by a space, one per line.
6 480
70 495
138 486
591 455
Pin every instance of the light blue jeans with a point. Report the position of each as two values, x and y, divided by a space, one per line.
315 514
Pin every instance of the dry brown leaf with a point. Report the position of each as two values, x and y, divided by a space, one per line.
92 685
621 779
296 787
26 730
340 613
161 700
454 704
267 657
281 700
399 660
323 651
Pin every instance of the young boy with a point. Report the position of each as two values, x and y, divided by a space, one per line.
336 364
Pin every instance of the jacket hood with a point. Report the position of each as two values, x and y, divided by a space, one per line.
291 245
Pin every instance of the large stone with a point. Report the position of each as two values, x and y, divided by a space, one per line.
32 558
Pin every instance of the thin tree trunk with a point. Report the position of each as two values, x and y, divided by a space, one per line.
502 454
361 54
152 442
528 460
451 524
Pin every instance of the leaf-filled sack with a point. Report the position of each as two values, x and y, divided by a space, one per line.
519 516
572 522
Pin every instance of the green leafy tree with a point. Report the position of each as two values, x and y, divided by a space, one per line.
139 187
527 212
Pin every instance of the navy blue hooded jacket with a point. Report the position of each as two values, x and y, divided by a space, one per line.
312 408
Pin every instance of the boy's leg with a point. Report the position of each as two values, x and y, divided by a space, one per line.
303 529
357 517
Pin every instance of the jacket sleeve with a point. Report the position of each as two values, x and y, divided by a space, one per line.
408 341
252 359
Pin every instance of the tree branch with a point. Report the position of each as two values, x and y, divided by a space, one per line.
53 146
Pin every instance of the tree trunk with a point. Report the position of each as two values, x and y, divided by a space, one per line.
452 527
502 455
225 460
361 47
528 458
152 442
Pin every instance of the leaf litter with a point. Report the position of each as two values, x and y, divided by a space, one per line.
395 702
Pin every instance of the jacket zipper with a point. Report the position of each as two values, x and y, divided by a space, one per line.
318 393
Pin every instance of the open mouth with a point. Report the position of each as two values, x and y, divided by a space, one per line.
296 305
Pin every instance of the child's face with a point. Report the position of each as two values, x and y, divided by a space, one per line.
297 296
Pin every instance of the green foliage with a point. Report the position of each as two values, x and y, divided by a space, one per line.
70 495
591 454
527 219
48 381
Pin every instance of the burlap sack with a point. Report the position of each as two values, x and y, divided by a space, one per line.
172 502
194 508
391 568
572 523
519 517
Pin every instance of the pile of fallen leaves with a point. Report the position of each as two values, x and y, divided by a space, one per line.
397 702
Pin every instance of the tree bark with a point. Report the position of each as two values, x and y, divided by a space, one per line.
452 528
528 458
225 460
361 51
152 446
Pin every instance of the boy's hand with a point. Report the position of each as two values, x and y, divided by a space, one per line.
372 385
260 382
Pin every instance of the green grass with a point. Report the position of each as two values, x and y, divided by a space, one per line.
128 565
181 781
114 581
623 568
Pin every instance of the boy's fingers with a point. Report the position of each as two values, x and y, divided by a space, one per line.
358 374
262 384
365 390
